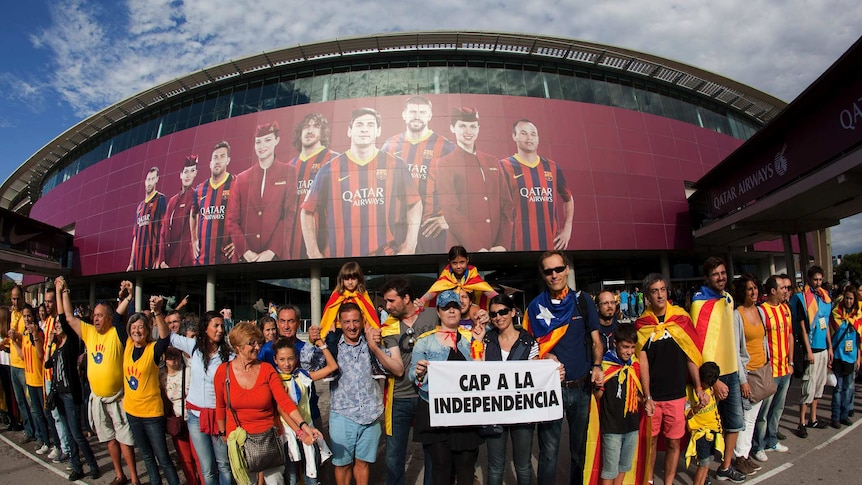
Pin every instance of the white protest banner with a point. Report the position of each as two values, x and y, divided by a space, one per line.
507 392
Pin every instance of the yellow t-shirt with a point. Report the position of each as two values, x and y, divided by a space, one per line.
16 322
34 369
142 397
104 360
706 418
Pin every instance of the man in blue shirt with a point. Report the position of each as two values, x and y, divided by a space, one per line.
811 311
566 324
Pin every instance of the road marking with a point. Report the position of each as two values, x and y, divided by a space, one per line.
838 436
44 465
769 474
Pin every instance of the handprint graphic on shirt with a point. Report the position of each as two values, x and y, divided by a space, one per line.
97 354
134 377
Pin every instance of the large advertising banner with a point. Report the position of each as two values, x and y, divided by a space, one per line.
389 176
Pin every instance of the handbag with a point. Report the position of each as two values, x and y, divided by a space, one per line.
262 450
762 383
176 425
51 400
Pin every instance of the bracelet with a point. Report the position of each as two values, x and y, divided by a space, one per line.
597 365
67 290
301 424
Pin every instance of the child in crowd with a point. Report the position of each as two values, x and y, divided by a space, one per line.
350 287
459 274
704 424
619 419
298 381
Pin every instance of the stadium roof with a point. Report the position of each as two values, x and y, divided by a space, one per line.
734 95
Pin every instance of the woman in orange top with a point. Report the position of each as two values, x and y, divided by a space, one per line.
253 389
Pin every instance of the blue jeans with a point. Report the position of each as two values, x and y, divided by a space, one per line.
730 409
842 396
403 410
576 405
59 425
766 426
38 414
212 454
70 414
522 443
19 388
149 434
291 473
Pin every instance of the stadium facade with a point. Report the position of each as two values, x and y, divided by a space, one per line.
493 141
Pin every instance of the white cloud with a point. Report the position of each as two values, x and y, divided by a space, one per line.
22 92
103 56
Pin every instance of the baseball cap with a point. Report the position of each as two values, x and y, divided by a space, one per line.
447 297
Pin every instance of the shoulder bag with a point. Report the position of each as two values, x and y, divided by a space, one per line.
262 451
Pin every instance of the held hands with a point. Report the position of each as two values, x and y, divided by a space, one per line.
157 303
479 328
703 398
59 285
721 390
649 407
373 336
314 333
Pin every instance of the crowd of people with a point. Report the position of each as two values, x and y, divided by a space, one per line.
241 405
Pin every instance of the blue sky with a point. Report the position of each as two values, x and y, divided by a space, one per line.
62 60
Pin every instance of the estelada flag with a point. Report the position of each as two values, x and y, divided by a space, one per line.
330 311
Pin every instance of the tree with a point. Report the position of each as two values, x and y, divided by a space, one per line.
851 263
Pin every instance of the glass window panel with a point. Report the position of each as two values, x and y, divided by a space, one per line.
585 90
359 84
477 81
252 98
628 97
269 94
285 93
237 98
183 115
221 110
195 112
440 80
515 83
376 81
568 87
169 125
458 79
302 90
600 91
552 85
496 80
208 107
533 83
339 83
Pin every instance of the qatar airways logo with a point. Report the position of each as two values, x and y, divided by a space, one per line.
144 220
537 194
762 174
213 212
418 171
363 197
304 186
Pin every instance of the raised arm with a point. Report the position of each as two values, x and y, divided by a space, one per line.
65 304
125 296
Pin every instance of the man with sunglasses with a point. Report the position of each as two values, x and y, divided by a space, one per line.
566 324
400 331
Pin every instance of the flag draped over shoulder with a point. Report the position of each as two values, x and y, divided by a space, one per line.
841 315
548 321
628 376
711 311
677 323
330 311
471 281
811 303
391 326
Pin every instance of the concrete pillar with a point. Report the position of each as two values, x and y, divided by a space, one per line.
571 279
139 294
664 261
92 294
211 291
316 302
788 257
825 253
771 265
803 254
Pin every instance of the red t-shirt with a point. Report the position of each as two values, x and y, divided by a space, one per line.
254 407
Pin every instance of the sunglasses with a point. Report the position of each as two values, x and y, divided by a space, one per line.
500 313
550 271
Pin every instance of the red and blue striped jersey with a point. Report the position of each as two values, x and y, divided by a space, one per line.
210 207
418 157
306 170
148 228
538 194
364 204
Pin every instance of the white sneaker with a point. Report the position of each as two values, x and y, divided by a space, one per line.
779 448
760 456
55 452
43 449
61 458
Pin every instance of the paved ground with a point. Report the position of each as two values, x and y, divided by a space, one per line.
826 456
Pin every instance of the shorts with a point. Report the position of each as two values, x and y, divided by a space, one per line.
618 452
705 451
351 440
730 408
109 421
814 379
669 419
